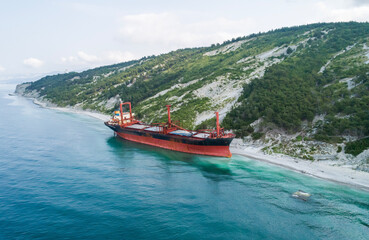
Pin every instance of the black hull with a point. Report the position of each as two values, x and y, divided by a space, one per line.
172 138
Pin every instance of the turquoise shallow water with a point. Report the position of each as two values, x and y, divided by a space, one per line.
65 176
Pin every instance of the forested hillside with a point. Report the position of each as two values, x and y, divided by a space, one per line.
327 77
311 80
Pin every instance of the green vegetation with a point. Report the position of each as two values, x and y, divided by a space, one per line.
294 90
207 124
276 77
299 138
357 147
339 149
257 135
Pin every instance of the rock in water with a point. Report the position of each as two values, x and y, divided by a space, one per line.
301 195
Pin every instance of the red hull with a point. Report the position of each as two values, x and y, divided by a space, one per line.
218 151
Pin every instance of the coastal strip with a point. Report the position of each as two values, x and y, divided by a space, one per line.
326 170
100 116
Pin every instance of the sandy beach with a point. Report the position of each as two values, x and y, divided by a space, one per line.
100 116
321 169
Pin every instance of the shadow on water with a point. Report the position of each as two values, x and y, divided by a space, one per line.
215 168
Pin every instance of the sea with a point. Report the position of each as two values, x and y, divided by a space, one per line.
66 176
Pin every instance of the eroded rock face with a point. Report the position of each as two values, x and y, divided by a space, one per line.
21 88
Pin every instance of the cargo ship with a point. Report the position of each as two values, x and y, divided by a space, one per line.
170 135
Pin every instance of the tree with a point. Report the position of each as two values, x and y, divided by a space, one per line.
289 51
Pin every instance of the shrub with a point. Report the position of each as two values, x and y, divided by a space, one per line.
357 147
339 149
257 135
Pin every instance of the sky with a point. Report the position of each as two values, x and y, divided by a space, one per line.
42 37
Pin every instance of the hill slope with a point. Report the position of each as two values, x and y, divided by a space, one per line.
308 83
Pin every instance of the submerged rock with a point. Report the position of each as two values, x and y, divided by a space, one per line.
301 195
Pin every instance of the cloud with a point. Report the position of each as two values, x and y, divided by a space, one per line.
87 57
118 56
166 29
33 62
355 11
108 57
69 59
359 2
2 69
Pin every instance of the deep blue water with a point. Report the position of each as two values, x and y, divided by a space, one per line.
65 176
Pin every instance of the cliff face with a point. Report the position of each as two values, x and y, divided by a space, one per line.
21 88
284 88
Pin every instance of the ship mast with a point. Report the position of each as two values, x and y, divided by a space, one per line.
218 127
169 120
130 112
